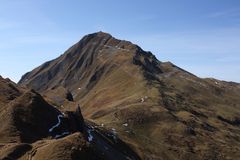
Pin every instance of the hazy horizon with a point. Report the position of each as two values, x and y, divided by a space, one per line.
201 37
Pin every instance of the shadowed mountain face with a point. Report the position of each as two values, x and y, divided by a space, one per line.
162 111
27 119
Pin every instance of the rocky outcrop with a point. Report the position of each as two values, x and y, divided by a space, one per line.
31 128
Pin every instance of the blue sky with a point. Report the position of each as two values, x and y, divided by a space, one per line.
201 36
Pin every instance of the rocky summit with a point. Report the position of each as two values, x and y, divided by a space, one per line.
106 98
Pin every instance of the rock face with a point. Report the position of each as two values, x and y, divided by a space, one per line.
163 111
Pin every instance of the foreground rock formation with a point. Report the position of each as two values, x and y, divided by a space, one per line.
31 128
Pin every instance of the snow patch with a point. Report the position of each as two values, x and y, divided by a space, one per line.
60 135
114 134
144 98
56 125
90 137
125 124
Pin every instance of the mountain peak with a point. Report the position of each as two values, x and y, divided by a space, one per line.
104 34
106 40
99 34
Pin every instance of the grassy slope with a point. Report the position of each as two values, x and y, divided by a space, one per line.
178 120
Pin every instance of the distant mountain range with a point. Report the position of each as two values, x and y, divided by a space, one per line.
132 103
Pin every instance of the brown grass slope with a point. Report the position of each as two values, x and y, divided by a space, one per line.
72 147
167 112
